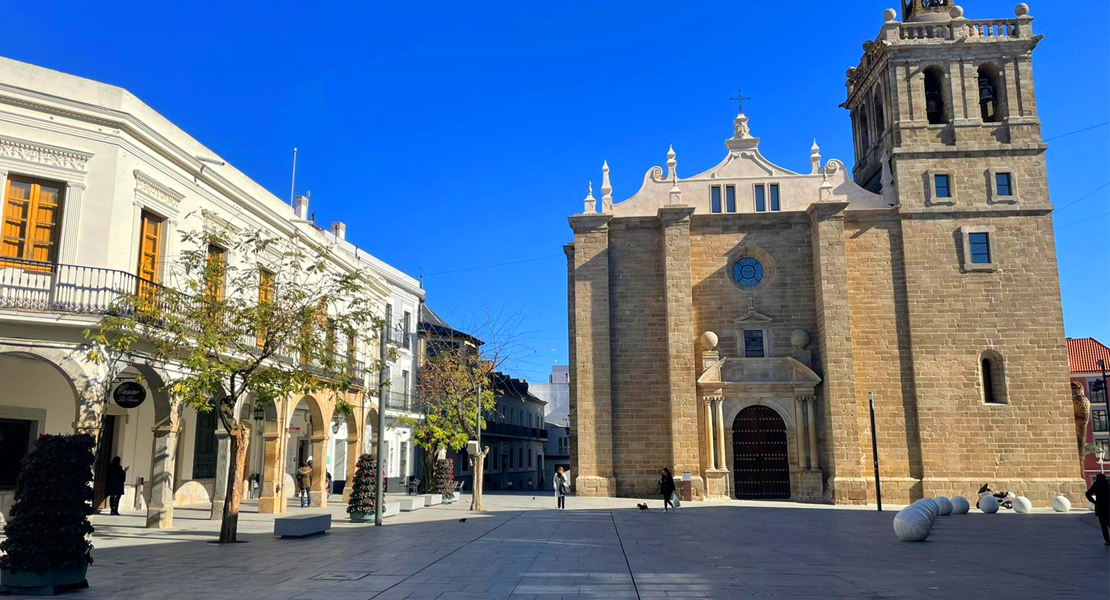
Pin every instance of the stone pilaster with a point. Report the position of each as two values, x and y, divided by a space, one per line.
318 493
223 466
592 411
678 290
833 358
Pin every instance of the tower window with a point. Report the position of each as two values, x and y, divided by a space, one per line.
989 90
774 196
992 381
730 198
753 343
760 199
1002 184
715 198
935 108
879 117
864 136
941 184
980 246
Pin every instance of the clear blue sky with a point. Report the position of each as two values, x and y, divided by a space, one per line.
457 135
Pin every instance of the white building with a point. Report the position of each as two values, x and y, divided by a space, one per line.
88 173
556 392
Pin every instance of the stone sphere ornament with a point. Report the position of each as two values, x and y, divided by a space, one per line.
1061 504
912 525
709 340
960 505
889 15
957 12
1021 9
799 339
930 505
945 506
1022 505
988 504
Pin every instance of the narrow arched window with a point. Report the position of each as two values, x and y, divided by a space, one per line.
990 94
864 136
935 108
879 117
992 379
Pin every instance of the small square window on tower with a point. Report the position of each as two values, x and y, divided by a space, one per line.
730 198
1003 187
978 249
715 198
941 187
760 198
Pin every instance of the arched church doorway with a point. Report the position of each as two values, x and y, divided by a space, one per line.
760 462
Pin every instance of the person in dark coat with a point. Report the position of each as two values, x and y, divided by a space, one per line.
117 476
666 488
1099 493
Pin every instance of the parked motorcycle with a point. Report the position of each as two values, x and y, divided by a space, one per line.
1005 498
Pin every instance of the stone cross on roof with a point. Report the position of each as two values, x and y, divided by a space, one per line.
740 98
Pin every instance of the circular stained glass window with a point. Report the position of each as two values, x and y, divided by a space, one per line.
747 272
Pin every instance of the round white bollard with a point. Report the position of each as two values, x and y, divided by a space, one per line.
960 505
912 525
988 504
945 506
1022 505
1061 504
930 505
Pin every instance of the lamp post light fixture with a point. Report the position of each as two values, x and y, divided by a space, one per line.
259 413
335 425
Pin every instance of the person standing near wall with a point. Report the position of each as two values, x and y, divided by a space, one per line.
117 476
560 485
666 488
304 482
1099 493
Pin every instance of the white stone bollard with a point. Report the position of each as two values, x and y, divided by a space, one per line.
930 505
960 505
1061 504
1022 505
988 504
912 524
945 506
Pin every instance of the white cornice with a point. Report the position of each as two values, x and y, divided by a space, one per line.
43 154
145 184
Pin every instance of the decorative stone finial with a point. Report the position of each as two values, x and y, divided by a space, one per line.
1021 10
606 189
708 340
825 192
672 163
676 193
799 339
886 179
814 158
740 127
590 202
957 12
889 15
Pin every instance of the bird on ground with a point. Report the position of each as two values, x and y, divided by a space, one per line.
462 520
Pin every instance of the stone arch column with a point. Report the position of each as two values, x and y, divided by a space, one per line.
85 379
163 463
354 450
272 499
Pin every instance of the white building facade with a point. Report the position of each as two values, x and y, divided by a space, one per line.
89 174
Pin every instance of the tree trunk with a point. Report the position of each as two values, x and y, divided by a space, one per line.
479 467
240 440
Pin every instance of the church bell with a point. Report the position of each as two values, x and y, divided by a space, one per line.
986 90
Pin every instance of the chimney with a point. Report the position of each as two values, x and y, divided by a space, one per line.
300 206
339 229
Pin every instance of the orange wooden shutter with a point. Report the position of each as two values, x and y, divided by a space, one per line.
29 224
150 245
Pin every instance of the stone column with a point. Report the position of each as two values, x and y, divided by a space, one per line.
352 464
834 360
720 433
272 497
159 511
223 465
811 427
592 414
710 445
678 290
804 451
318 495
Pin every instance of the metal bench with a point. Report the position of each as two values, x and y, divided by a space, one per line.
297 526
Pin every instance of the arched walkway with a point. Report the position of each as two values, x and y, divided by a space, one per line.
761 463
307 440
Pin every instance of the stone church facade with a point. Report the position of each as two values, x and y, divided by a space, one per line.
735 324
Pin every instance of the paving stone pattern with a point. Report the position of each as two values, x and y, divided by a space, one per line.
605 548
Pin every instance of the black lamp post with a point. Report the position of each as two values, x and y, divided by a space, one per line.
335 426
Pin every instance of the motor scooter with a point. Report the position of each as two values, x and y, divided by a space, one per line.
1005 498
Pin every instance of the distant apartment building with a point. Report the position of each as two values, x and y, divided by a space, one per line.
1083 357
556 392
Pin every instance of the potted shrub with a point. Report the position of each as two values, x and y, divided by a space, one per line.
361 503
445 479
47 549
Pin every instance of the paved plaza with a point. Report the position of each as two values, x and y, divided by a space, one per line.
605 548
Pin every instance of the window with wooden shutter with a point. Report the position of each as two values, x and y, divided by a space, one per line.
265 296
30 222
150 252
217 272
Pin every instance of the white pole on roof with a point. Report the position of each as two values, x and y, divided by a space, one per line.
293 183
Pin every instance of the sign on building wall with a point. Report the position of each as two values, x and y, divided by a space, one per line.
129 394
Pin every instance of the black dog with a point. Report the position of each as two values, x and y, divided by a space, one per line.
642 507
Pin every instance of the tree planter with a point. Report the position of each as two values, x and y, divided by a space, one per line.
48 583
358 517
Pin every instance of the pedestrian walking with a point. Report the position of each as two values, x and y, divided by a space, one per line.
560 485
666 488
304 482
1099 493
117 476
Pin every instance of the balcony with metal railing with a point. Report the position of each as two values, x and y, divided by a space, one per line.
398 336
399 401
509 430
43 287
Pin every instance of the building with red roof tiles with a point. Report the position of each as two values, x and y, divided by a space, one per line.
1084 355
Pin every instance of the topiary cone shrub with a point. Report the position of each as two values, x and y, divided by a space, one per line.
362 501
445 478
53 501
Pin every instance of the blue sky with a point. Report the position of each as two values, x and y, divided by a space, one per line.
457 135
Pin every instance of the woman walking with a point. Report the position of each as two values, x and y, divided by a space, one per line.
666 488
1099 493
117 475
560 485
